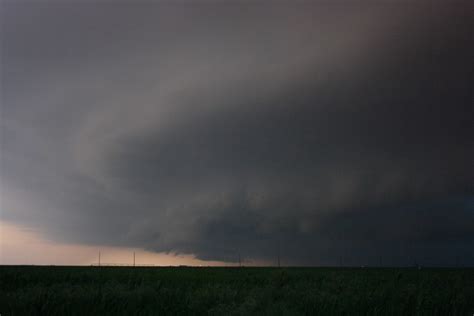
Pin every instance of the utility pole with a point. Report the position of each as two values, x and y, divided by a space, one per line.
240 261
99 258
134 258
278 256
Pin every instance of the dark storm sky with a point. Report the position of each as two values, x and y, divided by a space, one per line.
332 131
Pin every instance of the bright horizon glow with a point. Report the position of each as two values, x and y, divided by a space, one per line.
38 251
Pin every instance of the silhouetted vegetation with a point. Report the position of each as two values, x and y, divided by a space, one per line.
33 290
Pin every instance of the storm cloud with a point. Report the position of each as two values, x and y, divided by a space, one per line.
328 133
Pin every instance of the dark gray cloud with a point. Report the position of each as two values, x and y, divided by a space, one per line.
325 132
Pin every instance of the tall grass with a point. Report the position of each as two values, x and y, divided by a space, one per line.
234 291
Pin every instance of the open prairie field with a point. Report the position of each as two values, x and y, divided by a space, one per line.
50 290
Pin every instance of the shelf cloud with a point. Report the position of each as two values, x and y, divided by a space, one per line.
323 132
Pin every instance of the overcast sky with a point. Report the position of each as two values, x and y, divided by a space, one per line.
328 132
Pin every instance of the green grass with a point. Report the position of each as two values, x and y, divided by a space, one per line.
35 290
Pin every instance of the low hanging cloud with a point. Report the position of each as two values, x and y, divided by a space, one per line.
322 132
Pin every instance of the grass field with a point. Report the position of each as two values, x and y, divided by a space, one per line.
35 290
